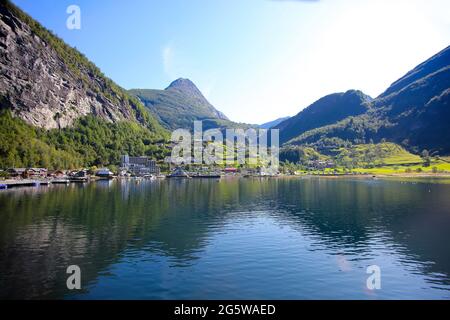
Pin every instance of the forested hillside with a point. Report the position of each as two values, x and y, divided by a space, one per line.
58 110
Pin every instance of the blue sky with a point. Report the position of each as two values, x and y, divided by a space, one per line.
255 60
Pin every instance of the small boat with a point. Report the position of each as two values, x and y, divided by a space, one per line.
60 181
179 173
79 179
207 176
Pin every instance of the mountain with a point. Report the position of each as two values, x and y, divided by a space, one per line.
414 111
179 105
269 125
49 84
56 104
327 110
190 91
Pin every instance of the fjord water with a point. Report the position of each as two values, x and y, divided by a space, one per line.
295 238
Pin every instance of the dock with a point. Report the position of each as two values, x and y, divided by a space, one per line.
23 183
8 184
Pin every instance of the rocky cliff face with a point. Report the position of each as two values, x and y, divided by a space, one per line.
49 84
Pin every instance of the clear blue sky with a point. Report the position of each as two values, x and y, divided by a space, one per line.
255 60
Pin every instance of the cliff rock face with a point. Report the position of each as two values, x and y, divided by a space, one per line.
47 83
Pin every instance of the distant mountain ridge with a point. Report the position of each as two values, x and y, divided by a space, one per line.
271 124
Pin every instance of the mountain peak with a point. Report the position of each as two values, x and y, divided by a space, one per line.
184 85
325 111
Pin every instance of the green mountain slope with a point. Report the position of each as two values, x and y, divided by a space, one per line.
327 110
91 141
358 155
414 112
180 104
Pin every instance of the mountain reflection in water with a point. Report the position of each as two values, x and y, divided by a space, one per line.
229 239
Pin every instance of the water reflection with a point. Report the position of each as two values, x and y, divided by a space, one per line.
237 238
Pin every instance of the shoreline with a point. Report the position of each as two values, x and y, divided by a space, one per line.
376 176
17 183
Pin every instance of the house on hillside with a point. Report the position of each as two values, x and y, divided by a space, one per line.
321 164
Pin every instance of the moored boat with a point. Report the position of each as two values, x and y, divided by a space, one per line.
179 173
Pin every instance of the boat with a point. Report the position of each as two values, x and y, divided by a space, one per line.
206 176
79 179
60 181
179 173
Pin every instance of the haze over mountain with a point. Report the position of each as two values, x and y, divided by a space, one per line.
414 111
180 104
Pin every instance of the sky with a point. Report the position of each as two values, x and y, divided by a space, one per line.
254 60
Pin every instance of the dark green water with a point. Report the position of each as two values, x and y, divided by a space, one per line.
228 239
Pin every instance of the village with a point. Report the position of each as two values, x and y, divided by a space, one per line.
130 168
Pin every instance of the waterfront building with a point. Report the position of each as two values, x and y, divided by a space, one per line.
16 172
27 172
104 173
231 170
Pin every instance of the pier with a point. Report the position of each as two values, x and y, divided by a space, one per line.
7 184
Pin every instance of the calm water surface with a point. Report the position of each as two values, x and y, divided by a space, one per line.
228 239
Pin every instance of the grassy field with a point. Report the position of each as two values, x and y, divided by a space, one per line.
386 159
435 167
381 154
